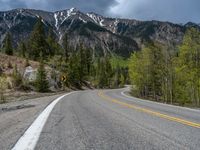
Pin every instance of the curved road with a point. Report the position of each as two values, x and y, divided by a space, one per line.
107 119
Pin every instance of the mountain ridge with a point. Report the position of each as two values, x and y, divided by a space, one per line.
102 34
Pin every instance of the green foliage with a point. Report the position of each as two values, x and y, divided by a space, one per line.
74 74
120 71
117 61
104 72
8 44
66 47
37 45
188 69
54 47
41 82
148 72
22 49
17 77
158 73
79 66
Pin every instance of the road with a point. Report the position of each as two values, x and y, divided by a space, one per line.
107 119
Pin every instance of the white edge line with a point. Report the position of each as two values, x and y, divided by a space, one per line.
123 93
30 138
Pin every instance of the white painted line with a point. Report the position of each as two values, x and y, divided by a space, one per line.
30 138
179 107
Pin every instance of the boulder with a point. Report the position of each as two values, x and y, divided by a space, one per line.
30 73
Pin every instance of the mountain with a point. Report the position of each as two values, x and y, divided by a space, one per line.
102 34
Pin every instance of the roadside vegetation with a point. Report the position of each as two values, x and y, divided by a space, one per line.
58 67
168 75
3 87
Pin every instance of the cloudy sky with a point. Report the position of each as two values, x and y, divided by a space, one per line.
178 11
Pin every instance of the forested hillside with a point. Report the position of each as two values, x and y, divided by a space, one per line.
168 75
68 68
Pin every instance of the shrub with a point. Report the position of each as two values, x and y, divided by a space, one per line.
3 86
17 77
41 82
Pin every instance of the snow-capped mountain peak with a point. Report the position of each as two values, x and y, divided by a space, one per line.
61 16
71 11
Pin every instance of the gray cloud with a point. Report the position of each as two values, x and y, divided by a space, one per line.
10 4
179 11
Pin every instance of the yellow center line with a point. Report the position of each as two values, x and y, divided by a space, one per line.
148 111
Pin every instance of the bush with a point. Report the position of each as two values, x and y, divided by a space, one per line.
17 77
3 86
9 65
41 83
26 64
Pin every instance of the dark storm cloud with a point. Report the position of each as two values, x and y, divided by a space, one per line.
99 6
179 11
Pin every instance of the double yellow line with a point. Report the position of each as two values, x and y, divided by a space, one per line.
154 113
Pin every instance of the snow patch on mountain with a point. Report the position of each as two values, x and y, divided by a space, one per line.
5 20
115 25
101 23
116 22
97 19
56 19
61 16
41 19
82 20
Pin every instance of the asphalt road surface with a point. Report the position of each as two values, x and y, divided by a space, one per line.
109 120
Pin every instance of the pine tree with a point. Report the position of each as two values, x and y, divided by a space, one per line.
105 72
66 47
22 49
41 82
54 47
8 44
74 70
102 80
37 43
17 77
82 62
88 58
117 78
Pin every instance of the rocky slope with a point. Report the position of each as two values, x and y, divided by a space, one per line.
102 34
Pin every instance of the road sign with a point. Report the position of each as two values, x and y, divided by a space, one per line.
63 78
